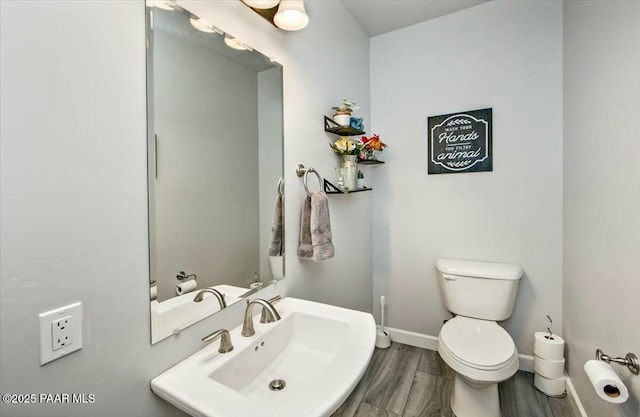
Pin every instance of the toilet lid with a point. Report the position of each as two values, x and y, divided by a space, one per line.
478 343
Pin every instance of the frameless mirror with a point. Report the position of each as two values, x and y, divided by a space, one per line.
215 167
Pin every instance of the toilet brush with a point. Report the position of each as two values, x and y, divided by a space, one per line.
383 340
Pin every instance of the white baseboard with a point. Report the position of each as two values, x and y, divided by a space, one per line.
526 362
413 339
431 342
571 391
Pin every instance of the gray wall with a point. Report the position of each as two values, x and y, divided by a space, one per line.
73 183
206 193
602 192
491 55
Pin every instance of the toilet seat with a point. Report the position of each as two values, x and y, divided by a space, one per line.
479 344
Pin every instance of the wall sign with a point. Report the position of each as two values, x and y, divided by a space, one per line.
460 142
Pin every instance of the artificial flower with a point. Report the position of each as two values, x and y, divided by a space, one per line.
373 143
346 146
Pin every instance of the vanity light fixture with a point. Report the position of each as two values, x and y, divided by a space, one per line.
233 43
202 26
291 15
261 4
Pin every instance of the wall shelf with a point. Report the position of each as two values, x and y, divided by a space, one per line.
369 162
329 188
332 127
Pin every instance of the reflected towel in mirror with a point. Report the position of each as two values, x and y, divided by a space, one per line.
276 247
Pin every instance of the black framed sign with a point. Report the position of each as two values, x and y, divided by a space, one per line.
460 142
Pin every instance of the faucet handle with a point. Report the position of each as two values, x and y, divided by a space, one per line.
266 317
225 340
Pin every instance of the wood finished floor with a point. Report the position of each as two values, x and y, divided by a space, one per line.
406 381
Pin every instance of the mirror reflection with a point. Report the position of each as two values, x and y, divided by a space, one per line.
215 169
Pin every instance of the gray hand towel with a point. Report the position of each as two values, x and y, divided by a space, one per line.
305 248
320 227
276 248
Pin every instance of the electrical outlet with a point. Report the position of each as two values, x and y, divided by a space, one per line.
60 332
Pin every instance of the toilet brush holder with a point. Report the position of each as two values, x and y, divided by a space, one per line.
383 340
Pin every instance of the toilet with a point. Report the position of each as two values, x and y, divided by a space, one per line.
481 352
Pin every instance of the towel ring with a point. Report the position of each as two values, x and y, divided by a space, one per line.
301 171
306 186
280 186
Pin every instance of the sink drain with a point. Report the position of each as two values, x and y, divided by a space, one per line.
277 385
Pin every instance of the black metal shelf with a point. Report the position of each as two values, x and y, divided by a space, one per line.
369 162
332 127
329 188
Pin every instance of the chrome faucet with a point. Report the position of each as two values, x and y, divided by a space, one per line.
200 296
225 340
272 315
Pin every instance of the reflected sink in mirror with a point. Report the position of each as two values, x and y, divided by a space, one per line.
171 316
317 352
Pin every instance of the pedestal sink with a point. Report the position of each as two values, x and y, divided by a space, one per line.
306 364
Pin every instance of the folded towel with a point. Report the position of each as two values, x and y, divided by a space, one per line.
320 227
276 248
305 248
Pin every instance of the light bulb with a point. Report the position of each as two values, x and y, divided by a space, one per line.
261 4
233 43
201 25
160 4
291 15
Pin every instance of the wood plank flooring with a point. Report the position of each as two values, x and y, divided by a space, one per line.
406 381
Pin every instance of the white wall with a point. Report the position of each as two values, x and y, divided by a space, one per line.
73 183
322 65
205 197
602 192
492 55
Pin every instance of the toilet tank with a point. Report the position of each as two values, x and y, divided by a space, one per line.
483 290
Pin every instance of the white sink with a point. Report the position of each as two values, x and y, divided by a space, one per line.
320 351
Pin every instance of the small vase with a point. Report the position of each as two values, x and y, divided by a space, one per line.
349 165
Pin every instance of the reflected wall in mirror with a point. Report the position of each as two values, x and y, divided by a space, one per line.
215 163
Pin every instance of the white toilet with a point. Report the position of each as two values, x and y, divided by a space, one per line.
480 351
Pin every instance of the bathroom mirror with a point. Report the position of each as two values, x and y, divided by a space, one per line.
215 166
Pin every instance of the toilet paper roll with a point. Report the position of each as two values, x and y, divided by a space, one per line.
548 368
153 292
185 287
256 285
551 387
548 348
606 382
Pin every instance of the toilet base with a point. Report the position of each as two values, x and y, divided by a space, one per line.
474 400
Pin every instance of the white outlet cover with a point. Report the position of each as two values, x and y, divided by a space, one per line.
73 314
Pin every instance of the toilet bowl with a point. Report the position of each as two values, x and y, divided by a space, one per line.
482 354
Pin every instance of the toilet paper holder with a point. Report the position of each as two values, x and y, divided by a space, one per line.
630 360
182 276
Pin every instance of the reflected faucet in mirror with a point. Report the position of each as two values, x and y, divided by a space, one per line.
200 296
